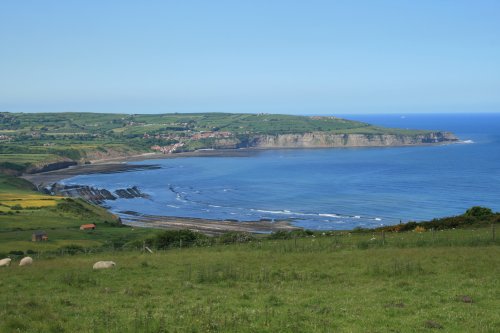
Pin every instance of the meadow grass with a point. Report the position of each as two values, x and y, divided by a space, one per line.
303 285
27 158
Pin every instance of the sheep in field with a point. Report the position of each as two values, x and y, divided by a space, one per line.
5 262
104 264
26 261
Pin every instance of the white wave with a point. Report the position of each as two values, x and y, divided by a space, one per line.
178 198
466 141
281 212
357 217
173 206
378 219
215 206
330 215
268 211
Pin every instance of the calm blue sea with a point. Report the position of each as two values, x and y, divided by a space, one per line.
328 188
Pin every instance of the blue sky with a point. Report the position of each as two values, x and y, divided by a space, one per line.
299 57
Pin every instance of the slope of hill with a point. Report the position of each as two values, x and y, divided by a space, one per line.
44 141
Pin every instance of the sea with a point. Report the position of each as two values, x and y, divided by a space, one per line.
327 189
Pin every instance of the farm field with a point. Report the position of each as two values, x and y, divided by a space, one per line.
24 211
315 284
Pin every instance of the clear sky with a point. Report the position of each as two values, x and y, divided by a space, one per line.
299 57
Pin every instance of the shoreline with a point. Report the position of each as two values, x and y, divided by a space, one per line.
206 226
119 164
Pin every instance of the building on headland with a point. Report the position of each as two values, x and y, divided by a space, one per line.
167 149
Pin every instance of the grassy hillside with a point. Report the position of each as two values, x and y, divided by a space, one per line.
405 281
31 139
316 284
23 211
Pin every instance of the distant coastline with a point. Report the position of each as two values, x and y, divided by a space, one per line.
119 164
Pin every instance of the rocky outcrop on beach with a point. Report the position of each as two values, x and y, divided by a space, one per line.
93 194
326 140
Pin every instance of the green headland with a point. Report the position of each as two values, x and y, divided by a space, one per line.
47 141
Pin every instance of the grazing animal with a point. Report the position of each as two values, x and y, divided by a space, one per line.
5 262
104 264
26 261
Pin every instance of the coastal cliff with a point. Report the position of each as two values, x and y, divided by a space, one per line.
321 139
65 139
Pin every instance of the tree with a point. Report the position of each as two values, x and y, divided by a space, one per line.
478 211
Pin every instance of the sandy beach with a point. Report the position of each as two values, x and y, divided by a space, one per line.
206 226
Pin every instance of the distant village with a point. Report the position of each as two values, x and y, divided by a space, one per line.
170 149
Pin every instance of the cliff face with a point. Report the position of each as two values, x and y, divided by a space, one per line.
44 167
317 140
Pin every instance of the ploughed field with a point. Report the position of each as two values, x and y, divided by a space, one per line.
413 282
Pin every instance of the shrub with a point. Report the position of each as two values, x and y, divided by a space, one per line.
478 211
281 234
236 237
72 249
176 238
16 207
419 229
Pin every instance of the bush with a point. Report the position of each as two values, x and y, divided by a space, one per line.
419 229
478 211
236 237
291 234
139 243
16 207
177 238
72 249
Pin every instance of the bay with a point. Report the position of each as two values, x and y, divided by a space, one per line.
326 189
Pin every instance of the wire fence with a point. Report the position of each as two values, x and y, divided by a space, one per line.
315 242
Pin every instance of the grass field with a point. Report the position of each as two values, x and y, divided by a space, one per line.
369 281
23 211
321 284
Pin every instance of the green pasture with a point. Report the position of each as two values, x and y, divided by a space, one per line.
27 158
315 285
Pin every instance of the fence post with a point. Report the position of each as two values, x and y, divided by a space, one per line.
180 243
383 237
